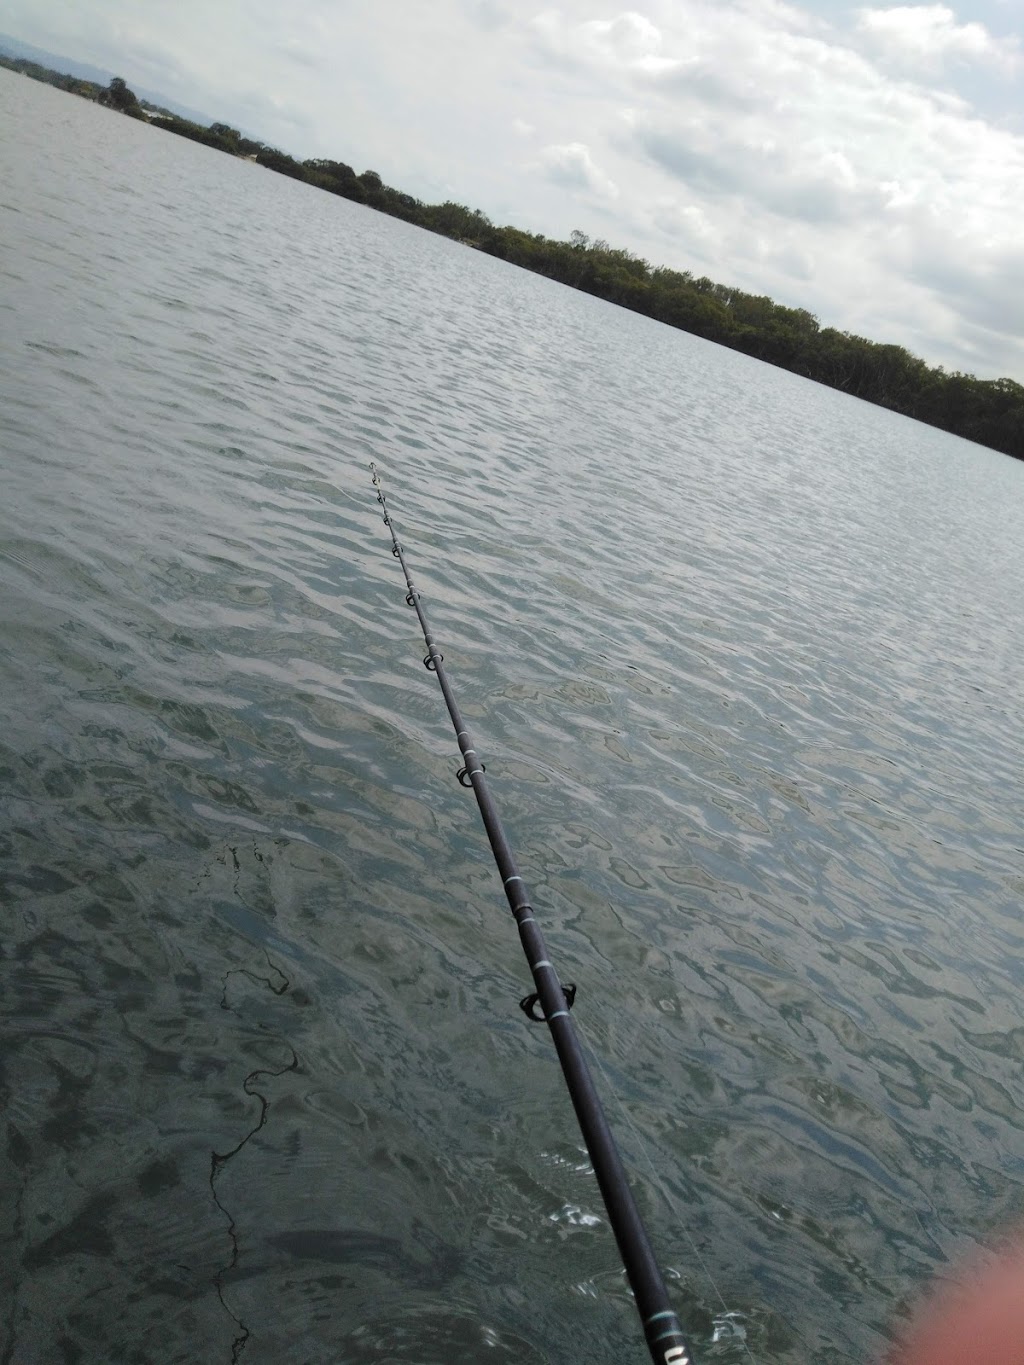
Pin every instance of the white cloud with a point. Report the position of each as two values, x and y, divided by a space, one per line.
572 166
628 42
818 175
688 222
929 35
630 39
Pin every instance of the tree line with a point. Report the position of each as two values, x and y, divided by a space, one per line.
989 411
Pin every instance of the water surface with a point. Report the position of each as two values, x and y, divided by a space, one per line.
743 657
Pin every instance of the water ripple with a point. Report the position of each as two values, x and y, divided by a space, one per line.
742 655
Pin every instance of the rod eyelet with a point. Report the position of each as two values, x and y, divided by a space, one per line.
530 1003
430 662
464 778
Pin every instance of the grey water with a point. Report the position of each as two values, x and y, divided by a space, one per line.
743 657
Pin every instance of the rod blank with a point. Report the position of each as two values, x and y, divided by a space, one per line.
665 1340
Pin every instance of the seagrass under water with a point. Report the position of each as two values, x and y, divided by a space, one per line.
741 657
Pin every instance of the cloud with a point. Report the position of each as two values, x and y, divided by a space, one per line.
685 221
813 184
804 163
628 42
983 290
294 51
572 166
490 15
929 35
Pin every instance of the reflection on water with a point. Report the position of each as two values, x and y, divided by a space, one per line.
739 651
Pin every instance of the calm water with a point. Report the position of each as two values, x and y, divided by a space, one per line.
743 656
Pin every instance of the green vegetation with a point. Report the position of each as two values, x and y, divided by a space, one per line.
990 411
118 96
88 89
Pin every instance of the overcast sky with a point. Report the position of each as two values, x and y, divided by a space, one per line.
865 162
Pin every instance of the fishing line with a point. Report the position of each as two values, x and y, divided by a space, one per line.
554 999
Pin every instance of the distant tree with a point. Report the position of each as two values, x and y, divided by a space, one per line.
331 170
280 162
118 96
226 133
453 220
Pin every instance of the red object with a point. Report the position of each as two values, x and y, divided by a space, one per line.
978 1321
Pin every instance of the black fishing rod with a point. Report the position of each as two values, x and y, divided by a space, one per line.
665 1339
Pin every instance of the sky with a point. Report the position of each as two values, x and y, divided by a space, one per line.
863 161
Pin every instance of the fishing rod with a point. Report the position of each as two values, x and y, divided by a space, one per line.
662 1329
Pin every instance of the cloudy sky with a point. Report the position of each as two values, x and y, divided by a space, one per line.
862 161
